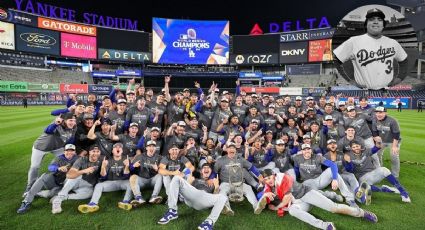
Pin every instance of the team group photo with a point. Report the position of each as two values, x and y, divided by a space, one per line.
204 120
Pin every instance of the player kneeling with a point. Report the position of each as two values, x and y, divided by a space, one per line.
198 195
283 193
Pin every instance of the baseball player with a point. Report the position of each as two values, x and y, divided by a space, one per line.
145 168
388 131
373 55
115 172
308 167
102 138
283 193
172 165
198 195
359 162
282 159
54 179
54 138
81 178
118 116
223 166
129 140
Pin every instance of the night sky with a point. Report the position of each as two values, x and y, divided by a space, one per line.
242 15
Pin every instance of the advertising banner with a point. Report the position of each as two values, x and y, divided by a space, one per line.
292 91
73 88
13 86
416 101
100 89
388 102
305 69
78 46
306 35
270 90
250 74
68 27
18 17
401 87
254 59
128 73
294 52
43 87
98 74
10 58
122 55
114 39
7 36
190 42
36 40
320 50
314 91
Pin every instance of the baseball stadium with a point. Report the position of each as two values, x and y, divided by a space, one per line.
212 115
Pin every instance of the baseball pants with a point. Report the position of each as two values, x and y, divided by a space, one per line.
36 158
197 199
111 186
137 183
375 176
325 179
395 158
47 180
300 207
350 180
369 143
82 189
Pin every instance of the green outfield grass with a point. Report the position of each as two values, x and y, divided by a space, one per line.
19 128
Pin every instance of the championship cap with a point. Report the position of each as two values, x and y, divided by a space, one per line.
272 106
254 95
255 121
118 144
120 101
88 116
280 142
67 116
309 98
310 109
70 147
328 117
269 131
186 90
155 129
224 99
298 98
350 108
305 146
330 141
231 144
306 136
130 92
151 143
225 92
380 109
341 103
181 123
265 95
134 124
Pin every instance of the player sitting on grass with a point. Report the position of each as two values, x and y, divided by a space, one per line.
145 168
198 195
81 178
54 179
115 173
283 193
359 161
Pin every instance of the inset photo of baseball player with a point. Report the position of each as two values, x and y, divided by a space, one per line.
375 47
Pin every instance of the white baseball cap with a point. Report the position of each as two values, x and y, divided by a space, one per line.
305 146
69 147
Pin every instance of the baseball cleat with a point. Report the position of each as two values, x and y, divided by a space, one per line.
362 191
24 207
370 216
406 198
155 200
331 226
139 201
386 188
227 210
56 206
125 205
170 215
206 225
368 197
260 205
87 208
